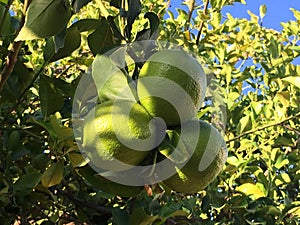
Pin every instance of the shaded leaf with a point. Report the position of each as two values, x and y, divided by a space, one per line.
115 3
78 4
6 28
134 9
59 39
51 97
27 182
140 217
44 18
86 25
106 185
154 22
120 217
53 175
101 40
244 124
72 41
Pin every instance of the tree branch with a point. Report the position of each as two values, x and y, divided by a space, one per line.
264 127
202 22
191 6
13 52
85 203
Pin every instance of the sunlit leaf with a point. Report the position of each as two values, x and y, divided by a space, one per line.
294 80
262 11
250 189
44 18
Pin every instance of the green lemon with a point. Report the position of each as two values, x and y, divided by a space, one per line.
171 86
205 161
117 135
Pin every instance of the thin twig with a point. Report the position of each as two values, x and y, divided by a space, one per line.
191 6
264 127
202 22
13 52
85 203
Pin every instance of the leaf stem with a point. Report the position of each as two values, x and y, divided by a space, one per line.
264 127
202 22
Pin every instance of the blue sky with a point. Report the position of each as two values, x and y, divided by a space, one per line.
277 10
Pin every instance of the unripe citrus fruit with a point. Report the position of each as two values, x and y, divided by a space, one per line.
171 86
117 136
205 162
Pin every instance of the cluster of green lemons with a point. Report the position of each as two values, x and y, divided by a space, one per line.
171 86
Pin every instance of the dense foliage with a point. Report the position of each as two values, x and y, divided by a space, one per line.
46 46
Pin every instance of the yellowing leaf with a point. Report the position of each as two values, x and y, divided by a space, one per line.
53 175
262 11
293 80
250 189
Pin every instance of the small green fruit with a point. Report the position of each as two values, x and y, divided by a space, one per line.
206 160
171 86
112 129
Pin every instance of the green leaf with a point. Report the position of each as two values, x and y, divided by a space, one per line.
140 217
59 39
294 80
171 143
154 21
86 25
27 182
262 11
111 82
77 159
106 185
78 4
53 175
250 190
274 49
101 40
72 41
244 124
51 97
62 132
120 217
44 18
7 25
134 9
4 1
115 3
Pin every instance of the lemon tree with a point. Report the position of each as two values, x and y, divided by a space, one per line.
45 178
